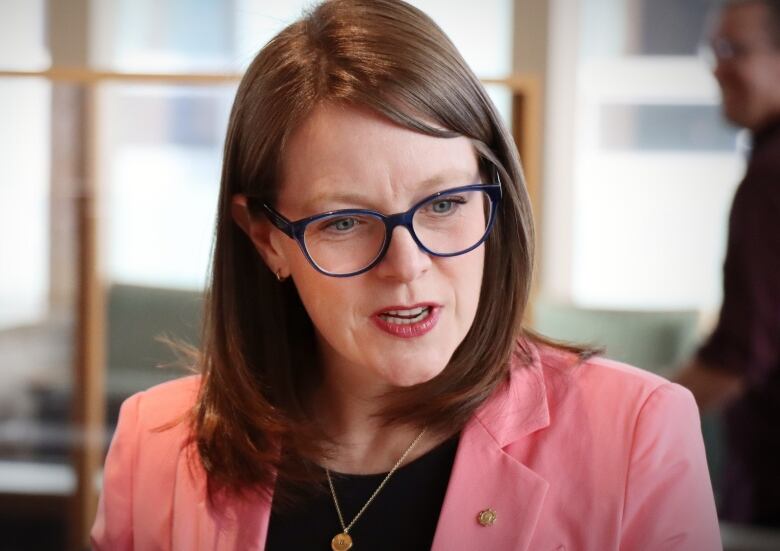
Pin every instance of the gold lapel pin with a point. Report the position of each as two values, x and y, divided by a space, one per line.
486 517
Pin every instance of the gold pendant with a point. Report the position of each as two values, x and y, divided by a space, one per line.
341 542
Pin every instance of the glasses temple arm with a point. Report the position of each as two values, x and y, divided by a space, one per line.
277 219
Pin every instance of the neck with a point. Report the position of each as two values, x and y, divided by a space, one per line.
362 444
347 403
766 124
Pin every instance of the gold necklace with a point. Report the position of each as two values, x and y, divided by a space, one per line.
343 541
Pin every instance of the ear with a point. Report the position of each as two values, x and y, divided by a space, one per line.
266 238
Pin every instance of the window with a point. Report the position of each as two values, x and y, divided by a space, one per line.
160 146
637 218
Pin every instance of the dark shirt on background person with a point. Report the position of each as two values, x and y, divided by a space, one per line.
746 340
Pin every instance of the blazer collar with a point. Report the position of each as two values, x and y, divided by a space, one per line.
519 407
484 476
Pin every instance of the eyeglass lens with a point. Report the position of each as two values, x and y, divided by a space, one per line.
445 225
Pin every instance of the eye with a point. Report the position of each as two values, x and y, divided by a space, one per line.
445 205
342 224
441 207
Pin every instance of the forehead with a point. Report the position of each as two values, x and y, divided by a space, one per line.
747 20
340 149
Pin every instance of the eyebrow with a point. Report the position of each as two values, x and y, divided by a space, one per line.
349 197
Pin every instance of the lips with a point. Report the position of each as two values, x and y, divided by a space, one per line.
407 321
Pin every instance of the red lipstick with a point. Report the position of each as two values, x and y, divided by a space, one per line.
407 321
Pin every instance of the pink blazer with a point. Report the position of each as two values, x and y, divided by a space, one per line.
593 456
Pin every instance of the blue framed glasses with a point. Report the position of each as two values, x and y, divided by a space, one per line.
348 242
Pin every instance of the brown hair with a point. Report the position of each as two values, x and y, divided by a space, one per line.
258 358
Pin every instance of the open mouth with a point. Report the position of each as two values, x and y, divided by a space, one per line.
414 321
406 317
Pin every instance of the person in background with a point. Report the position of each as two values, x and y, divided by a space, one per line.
365 378
737 370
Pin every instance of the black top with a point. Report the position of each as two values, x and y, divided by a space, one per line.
402 516
747 339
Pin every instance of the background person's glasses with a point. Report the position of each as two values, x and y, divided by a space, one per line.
724 50
349 242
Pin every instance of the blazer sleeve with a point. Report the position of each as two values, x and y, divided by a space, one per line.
669 503
112 529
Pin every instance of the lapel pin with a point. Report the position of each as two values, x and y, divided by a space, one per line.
486 517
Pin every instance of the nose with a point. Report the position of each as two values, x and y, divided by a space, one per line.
404 260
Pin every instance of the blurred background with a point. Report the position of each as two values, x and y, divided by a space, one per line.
112 118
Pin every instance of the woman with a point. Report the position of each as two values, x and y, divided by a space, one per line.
365 377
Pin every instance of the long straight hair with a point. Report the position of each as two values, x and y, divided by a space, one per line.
259 362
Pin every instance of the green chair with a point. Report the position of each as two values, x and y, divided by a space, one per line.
137 318
653 340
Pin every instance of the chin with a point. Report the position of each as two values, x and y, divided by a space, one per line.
736 113
410 382
413 373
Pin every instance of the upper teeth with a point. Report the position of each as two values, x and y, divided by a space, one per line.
405 317
413 312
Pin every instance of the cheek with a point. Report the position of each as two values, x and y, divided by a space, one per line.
768 82
755 76
317 296
327 300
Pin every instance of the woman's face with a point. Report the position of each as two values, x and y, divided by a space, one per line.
399 323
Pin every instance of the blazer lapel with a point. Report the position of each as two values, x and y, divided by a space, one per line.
484 476
239 523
